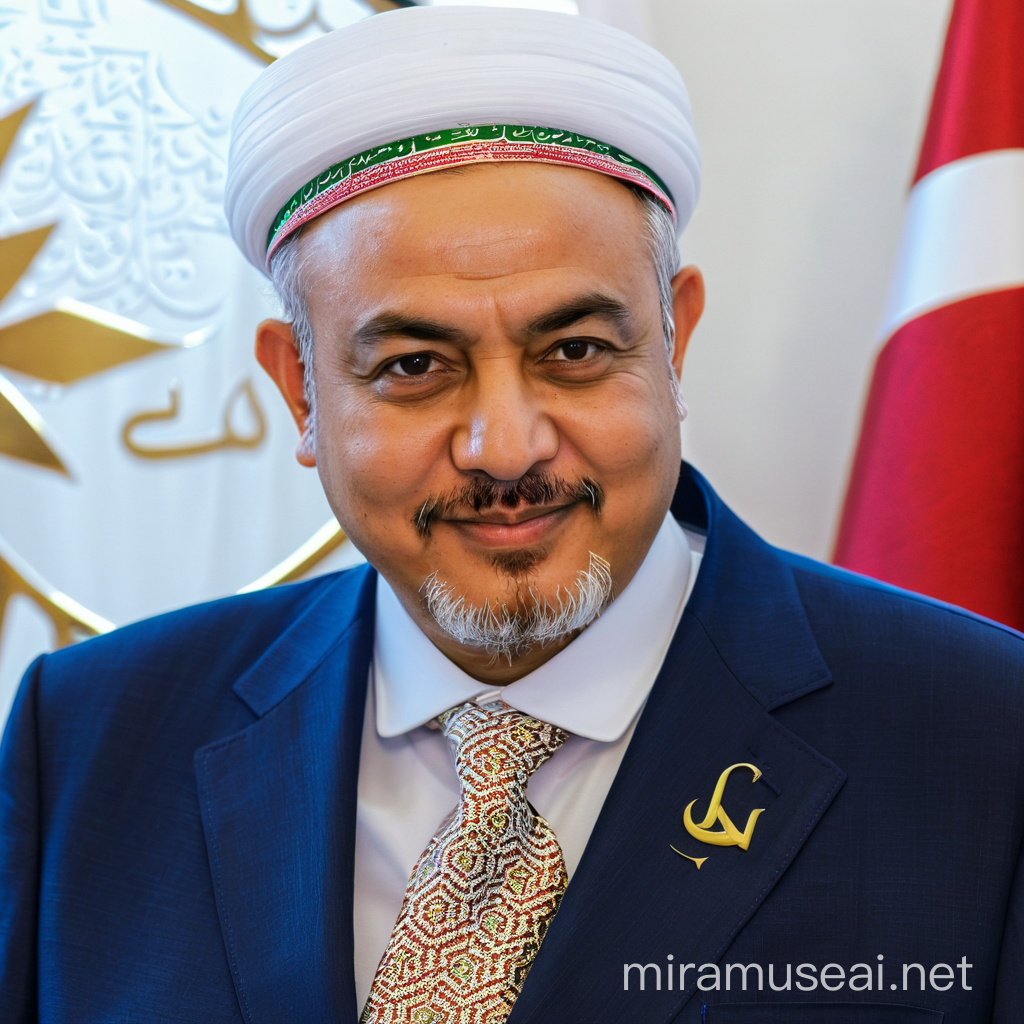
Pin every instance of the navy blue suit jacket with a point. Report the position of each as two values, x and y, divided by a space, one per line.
177 813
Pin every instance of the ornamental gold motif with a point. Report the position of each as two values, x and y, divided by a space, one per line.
114 258
728 834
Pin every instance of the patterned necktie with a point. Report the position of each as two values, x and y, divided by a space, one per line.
484 891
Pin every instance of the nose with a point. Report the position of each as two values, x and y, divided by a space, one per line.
506 432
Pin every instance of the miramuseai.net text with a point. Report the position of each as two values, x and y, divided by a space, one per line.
862 977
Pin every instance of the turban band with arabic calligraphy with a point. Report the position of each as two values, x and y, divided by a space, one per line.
423 88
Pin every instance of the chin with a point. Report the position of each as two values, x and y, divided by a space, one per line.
523 617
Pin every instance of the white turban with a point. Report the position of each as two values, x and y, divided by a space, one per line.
412 90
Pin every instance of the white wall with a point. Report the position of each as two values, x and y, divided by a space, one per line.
809 113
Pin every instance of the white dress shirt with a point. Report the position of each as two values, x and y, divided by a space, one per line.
594 688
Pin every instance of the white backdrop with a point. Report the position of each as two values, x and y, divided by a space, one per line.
809 114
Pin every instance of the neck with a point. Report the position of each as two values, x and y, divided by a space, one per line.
489 668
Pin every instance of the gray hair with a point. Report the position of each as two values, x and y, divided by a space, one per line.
506 633
286 267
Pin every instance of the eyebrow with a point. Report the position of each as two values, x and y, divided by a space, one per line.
593 304
390 325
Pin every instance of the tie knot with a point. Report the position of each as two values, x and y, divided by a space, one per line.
495 745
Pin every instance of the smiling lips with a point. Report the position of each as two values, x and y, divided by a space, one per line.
501 528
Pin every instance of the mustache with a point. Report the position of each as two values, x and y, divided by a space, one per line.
485 492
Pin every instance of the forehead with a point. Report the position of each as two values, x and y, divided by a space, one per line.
485 223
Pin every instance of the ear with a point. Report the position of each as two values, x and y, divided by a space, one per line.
687 305
277 354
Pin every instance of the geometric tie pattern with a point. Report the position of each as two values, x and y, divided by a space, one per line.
484 891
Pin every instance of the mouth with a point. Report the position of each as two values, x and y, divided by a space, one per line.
507 528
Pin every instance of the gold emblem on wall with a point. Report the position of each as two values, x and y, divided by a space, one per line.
58 346
70 341
240 27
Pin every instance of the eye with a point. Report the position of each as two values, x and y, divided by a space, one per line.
415 365
574 351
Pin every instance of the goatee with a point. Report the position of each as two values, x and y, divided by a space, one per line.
532 621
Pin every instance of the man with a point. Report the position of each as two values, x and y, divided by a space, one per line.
576 745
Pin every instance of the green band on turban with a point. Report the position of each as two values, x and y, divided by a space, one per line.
432 151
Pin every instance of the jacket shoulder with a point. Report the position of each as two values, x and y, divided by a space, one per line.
198 649
847 606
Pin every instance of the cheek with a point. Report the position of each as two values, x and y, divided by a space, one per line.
376 462
627 434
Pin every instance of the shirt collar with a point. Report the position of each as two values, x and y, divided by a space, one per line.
593 687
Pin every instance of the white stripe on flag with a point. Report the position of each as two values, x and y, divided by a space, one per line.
963 235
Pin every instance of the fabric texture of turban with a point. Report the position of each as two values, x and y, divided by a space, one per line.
422 88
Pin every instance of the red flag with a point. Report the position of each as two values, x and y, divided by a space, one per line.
936 495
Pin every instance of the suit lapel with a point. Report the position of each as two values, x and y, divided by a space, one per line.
278 804
744 646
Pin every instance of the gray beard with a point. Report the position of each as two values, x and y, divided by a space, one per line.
531 622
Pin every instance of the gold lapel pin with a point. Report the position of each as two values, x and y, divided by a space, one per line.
729 834
696 860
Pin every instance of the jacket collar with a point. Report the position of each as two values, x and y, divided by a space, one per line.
747 601
278 805
310 640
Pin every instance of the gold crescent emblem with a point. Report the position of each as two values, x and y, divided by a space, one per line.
729 835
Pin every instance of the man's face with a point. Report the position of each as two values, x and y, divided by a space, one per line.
493 399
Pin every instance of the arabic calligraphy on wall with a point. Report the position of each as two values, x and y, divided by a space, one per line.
230 436
113 248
